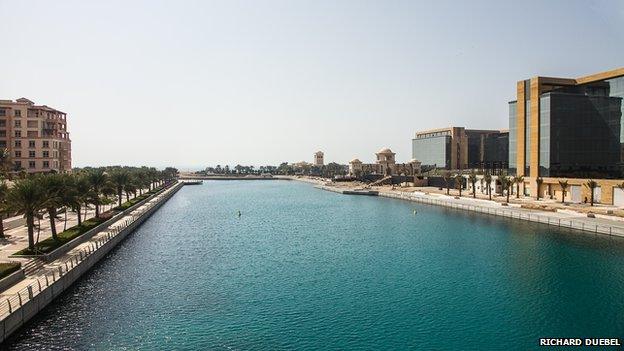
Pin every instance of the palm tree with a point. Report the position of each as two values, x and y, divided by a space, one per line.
506 185
591 185
52 185
564 187
459 181
142 180
473 180
488 182
5 161
120 178
130 187
447 181
100 185
82 188
518 180
539 182
27 196
4 189
70 198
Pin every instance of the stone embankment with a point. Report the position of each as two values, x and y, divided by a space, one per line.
561 219
27 297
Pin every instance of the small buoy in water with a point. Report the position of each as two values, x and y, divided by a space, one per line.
415 212
239 213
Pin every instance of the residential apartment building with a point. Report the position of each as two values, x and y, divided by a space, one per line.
36 136
460 148
569 128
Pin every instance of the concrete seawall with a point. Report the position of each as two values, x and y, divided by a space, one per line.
561 220
43 289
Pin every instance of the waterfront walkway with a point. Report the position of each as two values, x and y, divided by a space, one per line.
42 278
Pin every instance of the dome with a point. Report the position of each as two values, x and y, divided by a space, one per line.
355 160
318 153
414 161
385 151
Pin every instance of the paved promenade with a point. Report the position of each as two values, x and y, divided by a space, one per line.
17 239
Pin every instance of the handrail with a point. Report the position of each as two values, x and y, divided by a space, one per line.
559 222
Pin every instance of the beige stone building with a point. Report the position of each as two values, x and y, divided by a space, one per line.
385 165
35 136
319 158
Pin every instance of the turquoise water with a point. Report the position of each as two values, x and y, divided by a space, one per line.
313 270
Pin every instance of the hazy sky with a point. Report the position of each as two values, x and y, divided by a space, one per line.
196 83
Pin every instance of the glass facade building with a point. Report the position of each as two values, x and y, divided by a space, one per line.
433 151
460 148
580 126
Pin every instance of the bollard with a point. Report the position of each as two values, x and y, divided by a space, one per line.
53 277
10 309
19 297
39 284
66 269
60 269
47 282
30 292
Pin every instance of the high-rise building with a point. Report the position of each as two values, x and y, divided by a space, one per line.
460 148
569 128
35 136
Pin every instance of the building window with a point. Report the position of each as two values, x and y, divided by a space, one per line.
31 153
2 122
18 113
18 133
18 153
46 164
31 143
2 112
3 143
18 143
2 133
46 154
32 124
18 164
46 144
18 124
31 164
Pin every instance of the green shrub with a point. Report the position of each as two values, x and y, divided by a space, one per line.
6 268
49 244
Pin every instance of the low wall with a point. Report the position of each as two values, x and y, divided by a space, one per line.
511 212
11 279
35 303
